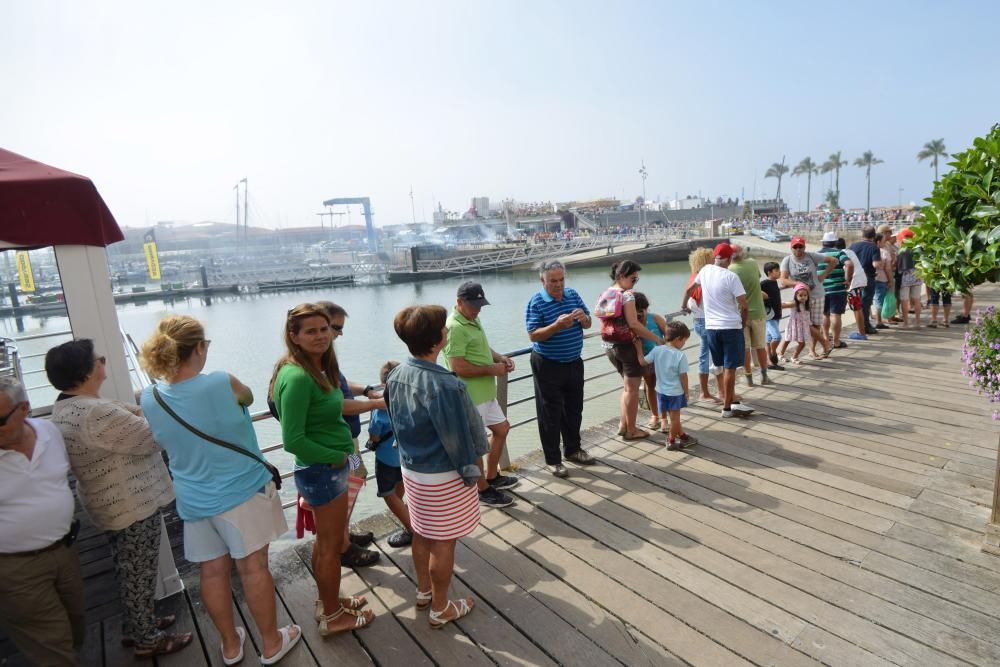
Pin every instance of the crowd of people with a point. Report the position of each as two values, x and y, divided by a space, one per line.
437 429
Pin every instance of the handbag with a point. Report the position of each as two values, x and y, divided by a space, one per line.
275 474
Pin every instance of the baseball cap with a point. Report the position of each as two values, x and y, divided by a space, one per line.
473 294
906 233
798 240
830 237
723 250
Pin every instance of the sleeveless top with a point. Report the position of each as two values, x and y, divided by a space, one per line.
648 345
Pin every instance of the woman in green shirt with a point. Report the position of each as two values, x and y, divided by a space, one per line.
306 392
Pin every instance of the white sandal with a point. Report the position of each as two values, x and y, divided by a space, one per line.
424 599
361 619
353 606
239 656
287 644
462 606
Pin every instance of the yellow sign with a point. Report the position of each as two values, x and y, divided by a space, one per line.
152 260
24 274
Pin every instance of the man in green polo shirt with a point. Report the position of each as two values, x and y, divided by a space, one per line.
754 333
468 354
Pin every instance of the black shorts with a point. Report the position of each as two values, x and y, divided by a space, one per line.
386 478
835 304
625 360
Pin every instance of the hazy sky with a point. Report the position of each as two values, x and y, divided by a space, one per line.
167 105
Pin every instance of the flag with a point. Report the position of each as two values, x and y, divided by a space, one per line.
24 274
152 258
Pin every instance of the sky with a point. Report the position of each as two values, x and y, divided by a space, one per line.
167 105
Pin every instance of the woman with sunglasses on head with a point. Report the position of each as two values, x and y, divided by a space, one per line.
306 390
122 482
228 500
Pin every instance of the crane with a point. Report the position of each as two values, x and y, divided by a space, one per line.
366 206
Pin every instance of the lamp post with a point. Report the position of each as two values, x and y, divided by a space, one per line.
642 207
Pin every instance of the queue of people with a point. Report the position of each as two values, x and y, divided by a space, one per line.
437 429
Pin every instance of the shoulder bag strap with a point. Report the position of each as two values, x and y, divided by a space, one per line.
205 436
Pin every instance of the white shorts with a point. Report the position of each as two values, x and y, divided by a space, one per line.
491 413
239 532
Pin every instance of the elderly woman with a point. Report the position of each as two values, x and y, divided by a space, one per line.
122 482
306 390
227 499
622 350
440 437
698 258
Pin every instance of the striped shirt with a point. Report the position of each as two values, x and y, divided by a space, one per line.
834 283
542 310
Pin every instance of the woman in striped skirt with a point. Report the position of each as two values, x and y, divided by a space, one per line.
440 437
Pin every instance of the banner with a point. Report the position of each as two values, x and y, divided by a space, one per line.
152 258
24 275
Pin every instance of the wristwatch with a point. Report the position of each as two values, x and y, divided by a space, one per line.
367 390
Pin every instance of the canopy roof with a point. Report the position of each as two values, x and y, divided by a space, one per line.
41 206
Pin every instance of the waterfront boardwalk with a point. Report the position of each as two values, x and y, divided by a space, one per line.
839 525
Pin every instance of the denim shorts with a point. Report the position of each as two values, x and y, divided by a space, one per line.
670 403
939 297
387 477
320 483
727 347
773 331
880 290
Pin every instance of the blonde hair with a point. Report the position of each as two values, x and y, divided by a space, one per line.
173 342
699 257
327 374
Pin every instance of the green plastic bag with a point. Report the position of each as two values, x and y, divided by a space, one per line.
889 305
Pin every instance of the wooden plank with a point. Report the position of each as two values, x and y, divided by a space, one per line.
488 626
193 654
115 655
92 652
210 638
297 657
792 587
570 568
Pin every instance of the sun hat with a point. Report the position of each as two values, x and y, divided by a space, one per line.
723 250
830 237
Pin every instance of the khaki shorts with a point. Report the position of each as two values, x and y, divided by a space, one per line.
755 334
239 532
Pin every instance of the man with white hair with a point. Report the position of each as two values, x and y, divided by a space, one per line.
755 331
41 587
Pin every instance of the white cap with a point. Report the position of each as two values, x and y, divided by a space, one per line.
830 237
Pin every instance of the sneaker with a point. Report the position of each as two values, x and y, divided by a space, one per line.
749 378
727 414
881 326
493 498
558 470
581 457
960 319
857 336
687 440
741 410
871 330
775 367
766 381
774 359
401 538
673 444
362 539
503 482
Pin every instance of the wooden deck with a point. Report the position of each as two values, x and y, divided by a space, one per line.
839 525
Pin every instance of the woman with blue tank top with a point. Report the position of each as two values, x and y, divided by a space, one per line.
228 501
658 326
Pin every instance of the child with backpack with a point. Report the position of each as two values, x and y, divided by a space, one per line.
798 323
388 473
671 366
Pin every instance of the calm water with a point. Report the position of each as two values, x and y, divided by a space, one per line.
246 337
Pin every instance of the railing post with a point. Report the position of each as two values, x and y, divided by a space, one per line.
502 400
991 540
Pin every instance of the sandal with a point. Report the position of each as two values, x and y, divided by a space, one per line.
167 645
638 435
361 619
355 556
463 607
350 604
653 423
621 430
287 644
162 623
424 599
932 325
242 634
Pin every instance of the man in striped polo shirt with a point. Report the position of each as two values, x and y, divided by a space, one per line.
835 285
555 319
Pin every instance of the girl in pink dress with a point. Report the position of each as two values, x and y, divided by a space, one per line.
798 324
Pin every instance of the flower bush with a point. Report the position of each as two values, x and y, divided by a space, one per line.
981 355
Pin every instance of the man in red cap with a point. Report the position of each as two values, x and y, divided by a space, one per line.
803 267
725 303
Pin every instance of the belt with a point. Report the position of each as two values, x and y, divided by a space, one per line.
67 540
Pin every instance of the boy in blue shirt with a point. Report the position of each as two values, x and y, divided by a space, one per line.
671 366
388 474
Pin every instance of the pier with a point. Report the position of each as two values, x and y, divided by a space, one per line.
839 525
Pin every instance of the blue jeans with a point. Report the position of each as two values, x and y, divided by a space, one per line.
699 328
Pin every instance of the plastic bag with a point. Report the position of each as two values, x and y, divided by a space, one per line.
889 305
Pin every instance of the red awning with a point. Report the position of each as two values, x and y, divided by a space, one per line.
42 206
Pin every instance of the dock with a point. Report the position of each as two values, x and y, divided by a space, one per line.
839 525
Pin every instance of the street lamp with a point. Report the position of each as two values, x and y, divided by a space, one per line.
642 208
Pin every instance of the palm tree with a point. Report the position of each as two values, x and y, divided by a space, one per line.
933 149
777 170
807 167
834 163
868 160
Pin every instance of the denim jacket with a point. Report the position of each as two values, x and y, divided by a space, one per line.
436 425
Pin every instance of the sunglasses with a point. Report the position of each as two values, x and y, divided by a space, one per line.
3 420
339 328
798 247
